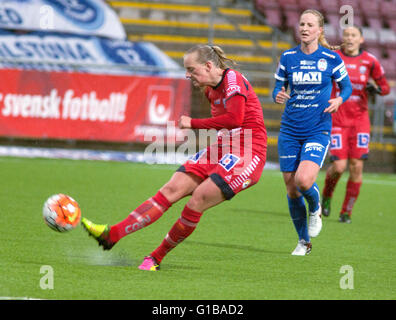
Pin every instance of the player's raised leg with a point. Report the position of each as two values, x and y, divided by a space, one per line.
205 196
179 186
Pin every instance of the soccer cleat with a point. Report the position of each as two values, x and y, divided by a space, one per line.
303 248
100 232
149 264
345 217
315 222
326 206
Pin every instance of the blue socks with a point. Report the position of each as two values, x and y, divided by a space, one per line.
313 197
298 213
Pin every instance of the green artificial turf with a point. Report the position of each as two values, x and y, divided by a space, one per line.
240 249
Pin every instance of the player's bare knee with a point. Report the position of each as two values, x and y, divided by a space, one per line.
339 168
304 182
171 191
197 201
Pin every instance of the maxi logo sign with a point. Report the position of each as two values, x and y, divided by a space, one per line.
312 77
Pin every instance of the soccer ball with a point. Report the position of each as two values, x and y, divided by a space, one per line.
61 212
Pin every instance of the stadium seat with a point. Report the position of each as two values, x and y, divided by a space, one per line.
370 36
333 19
309 4
292 18
370 8
273 17
330 6
388 9
374 50
392 23
332 34
289 5
261 5
391 52
375 23
387 38
389 66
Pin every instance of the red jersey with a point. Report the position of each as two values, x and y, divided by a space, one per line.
360 69
236 107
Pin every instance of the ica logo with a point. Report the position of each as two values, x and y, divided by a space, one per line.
160 102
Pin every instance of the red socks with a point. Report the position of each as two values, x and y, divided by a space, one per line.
150 211
330 184
352 192
183 227
144 215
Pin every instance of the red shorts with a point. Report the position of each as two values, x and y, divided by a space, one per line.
232 171
350 142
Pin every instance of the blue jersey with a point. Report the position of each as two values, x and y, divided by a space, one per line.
310 77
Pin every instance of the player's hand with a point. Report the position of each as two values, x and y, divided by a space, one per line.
282 96
334 105
185 122
372 89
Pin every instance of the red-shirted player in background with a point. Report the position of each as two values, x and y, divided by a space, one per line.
215 173
350 134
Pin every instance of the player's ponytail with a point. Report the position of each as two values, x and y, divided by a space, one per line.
214 54
322 39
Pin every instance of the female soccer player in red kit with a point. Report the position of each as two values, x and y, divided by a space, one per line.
215 173
350 134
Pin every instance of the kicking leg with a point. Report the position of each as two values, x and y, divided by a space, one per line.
180 185
205 196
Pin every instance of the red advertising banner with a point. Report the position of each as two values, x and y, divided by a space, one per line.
63 105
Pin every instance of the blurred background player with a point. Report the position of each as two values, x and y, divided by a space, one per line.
304 137
350 134
215 173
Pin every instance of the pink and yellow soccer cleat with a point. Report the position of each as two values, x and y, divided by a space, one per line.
149 264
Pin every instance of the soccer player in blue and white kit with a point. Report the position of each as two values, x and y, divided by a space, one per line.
309 69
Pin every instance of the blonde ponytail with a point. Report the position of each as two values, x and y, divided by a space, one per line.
323 42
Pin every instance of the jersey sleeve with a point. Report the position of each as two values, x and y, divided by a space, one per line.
234 84
233 118
280 73
339 71
280 77
378 75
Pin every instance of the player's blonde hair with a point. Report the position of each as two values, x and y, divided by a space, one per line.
212 53
322 39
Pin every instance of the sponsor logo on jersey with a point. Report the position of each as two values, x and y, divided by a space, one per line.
246 183
343 70
232 89
362 69
311 77
307 62
322 64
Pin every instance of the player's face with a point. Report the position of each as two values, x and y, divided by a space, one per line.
352 39
197 72
309 28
